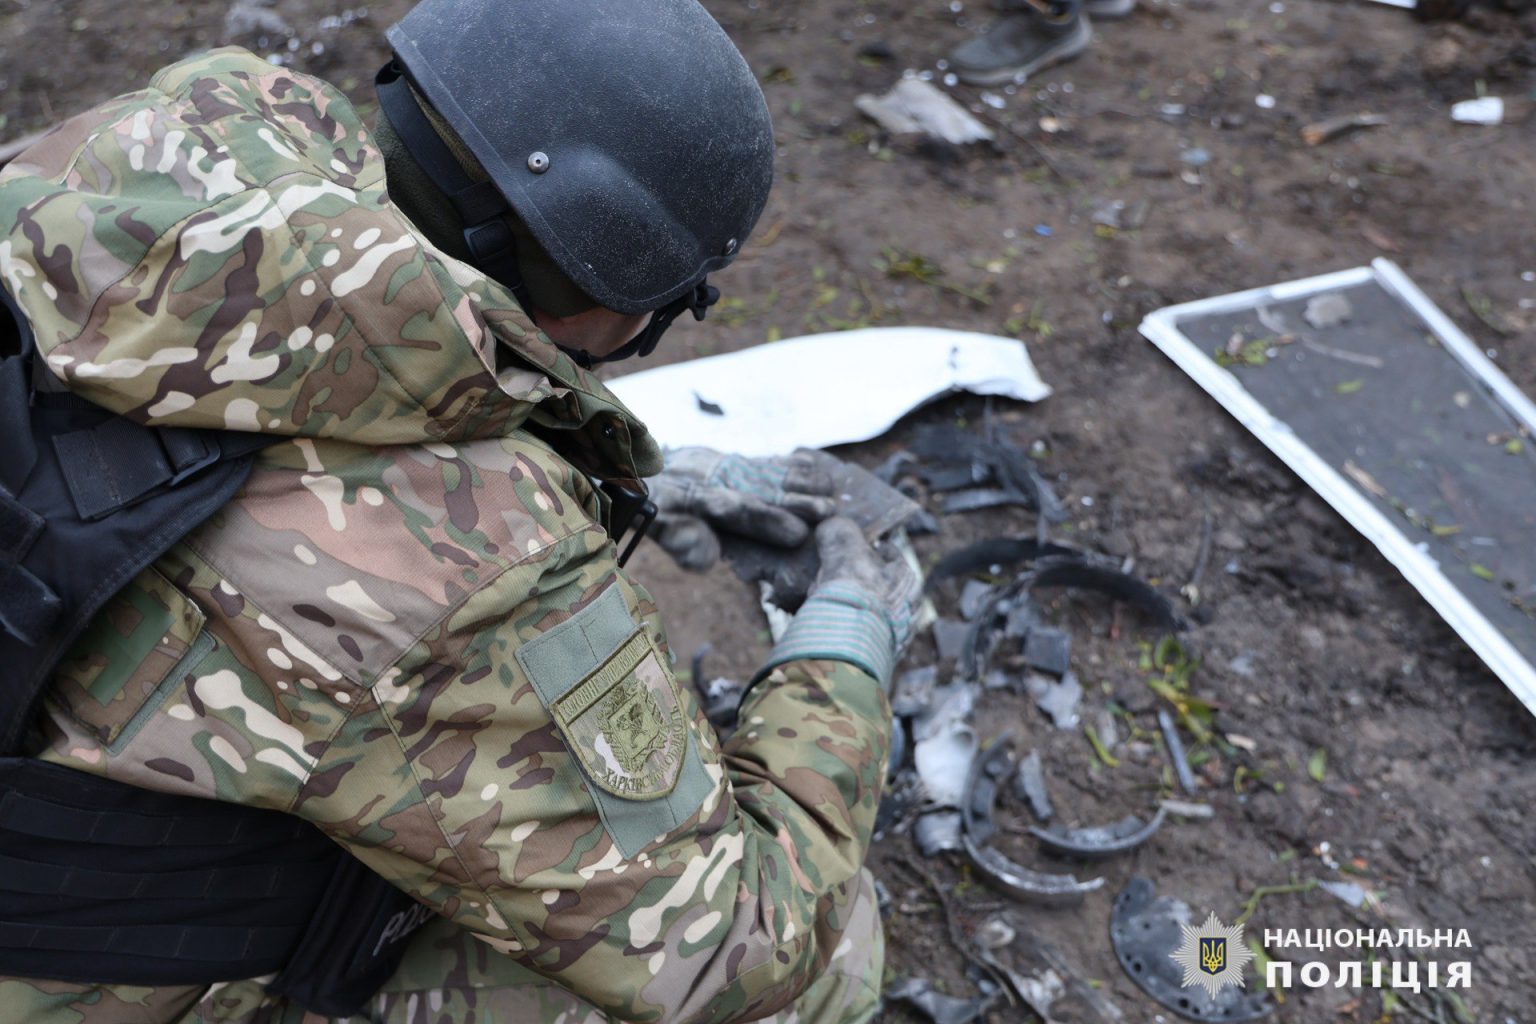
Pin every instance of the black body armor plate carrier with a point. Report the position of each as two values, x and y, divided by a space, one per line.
102 882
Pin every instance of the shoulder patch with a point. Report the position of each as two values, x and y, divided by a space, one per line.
624 723
612 697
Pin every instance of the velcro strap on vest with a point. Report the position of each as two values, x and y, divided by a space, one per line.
28 608
18 455
117 463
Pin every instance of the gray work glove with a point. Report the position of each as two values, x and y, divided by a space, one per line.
861 608
772 500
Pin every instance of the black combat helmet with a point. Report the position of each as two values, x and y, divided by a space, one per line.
629 137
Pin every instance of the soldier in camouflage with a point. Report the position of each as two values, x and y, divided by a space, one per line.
409 627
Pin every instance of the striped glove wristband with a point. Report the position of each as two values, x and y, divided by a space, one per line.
842 621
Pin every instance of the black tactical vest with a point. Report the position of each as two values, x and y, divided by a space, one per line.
101 882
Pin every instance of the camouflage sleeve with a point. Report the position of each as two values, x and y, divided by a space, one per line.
535 772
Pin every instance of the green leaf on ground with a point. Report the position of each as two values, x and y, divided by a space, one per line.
1099 750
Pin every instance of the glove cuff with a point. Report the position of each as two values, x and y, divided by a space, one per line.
839 621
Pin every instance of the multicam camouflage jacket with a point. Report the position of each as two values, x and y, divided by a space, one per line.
409 627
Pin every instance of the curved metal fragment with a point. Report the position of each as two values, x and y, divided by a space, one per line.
1009 610
963 457
1145 932
1033 886
1082 575
974 499
982 783
998 551
1099 841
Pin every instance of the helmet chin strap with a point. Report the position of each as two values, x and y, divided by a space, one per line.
696 300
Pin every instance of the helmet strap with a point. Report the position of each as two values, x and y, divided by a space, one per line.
696 300
482 208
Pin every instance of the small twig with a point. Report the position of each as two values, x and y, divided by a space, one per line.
1341 354
1110 108
876 307
1202 559
1034 147
1325 131
956 936
1270 321
1045 157
1250 907
11 150
1435 1018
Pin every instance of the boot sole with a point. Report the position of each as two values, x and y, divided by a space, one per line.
1067 48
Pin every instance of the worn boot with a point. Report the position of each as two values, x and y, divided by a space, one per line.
1021 43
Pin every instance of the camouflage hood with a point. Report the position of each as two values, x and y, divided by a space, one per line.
219 251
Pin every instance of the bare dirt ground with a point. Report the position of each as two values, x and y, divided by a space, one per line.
1306 640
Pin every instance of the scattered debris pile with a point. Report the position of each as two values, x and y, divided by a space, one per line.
973 472
994 631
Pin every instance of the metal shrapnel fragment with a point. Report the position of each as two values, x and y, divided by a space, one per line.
1021 882
986 777
940 1008
938 832
1176 753
1029 785
1145 931
1100 841
1048 649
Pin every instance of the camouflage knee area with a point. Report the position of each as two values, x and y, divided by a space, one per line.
538 1002
451 978
849 991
